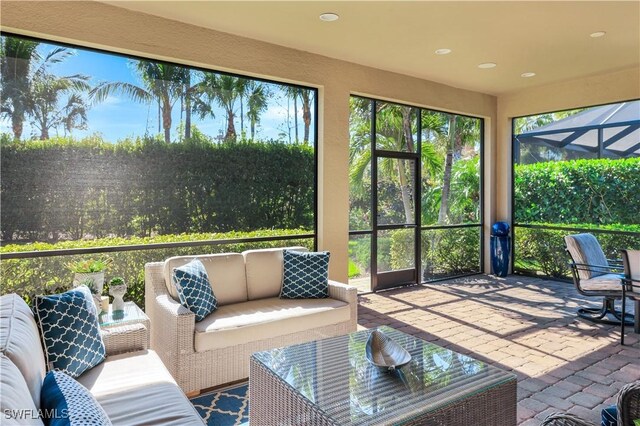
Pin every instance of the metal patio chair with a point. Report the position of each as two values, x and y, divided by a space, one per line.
631 286
595 276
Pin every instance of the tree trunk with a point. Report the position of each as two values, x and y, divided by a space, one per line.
306 117
166 119
242 115
406 128
16 125
187 107
295 115
253 129
406 198
230 136
446 180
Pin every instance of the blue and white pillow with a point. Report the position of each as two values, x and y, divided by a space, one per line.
65 402
70 331
194 289
610 416
306 275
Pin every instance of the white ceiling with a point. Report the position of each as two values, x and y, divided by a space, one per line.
550 38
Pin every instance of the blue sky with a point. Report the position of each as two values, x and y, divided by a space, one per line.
119 117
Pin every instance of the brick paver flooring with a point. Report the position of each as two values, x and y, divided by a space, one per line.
525 325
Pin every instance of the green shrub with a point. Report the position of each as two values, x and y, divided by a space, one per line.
444 252
46 275
543 250
580 191
65 189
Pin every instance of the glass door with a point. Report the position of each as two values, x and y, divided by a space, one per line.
395 227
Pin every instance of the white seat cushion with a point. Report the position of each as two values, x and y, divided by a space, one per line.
20 342
265 269
265 318
225 271
15 397
136 389
606 282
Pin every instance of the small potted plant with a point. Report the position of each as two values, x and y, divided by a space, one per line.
117 288
92 269
97 301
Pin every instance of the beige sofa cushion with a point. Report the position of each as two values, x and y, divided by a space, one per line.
15 396
265 318
136 389
226 274
264 271
20 342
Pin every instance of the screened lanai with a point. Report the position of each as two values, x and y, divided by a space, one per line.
608 131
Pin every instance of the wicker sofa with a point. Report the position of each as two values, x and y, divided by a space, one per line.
132 385
250 316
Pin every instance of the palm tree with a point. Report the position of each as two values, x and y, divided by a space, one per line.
29 89
162 82
17 57
256 103
293 93
242 86
306 98
225 90
44 98
394 132
462 131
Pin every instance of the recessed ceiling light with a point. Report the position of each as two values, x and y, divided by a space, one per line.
487 65
443 51
527 74
329 17
598 34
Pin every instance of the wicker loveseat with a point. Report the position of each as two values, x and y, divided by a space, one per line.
250 316
131 384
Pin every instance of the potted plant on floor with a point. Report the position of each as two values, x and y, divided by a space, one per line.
90 269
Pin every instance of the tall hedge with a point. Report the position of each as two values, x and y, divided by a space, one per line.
66 189
581 191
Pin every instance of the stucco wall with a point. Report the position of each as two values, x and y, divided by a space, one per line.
103 26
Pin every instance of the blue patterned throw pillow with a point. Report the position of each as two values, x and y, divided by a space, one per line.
70 331
65 402
610 416
194 289
306 275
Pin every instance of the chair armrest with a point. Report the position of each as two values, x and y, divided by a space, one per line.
344 292
172 325
604 269
125 338
559 419
348 294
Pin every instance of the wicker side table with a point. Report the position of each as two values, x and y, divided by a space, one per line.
118 322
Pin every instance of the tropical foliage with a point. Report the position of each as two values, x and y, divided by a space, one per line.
33 93
93 189
449 185
45 275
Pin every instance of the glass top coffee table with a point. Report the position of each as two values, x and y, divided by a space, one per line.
330 382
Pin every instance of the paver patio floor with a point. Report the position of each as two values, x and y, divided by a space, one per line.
521 324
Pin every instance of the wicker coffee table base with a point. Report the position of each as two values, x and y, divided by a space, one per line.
273 402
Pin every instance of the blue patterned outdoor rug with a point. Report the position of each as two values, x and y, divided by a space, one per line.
224 407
